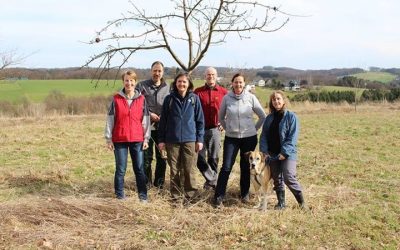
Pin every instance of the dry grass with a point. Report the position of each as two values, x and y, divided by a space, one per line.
56 190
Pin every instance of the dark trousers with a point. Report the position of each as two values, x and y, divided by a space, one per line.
231 149
159 174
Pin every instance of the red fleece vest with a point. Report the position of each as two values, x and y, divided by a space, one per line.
128 120
211 100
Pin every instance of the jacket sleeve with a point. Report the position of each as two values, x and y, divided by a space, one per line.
199 119
146 122
109 122
140 87
263 139
222 112
258 109
162 125
288 145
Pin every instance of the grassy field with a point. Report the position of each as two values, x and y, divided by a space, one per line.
382 77
37 90
56 190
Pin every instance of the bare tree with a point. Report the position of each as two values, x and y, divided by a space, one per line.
194 25
10 58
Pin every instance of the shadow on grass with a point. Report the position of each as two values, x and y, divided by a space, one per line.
61 186
44 185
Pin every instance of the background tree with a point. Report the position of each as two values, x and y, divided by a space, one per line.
186 30
10 58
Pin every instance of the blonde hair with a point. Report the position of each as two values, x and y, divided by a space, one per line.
285 99
130 73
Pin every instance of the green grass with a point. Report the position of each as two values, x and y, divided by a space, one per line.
56 186
37 90
382 77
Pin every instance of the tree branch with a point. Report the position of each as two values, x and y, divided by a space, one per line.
205 24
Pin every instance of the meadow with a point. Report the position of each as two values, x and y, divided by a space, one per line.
36 91
383 77
56 190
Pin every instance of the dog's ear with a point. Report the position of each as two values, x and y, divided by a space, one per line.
263 156
247 154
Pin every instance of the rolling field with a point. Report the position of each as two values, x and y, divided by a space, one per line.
382 77
37 90
56 190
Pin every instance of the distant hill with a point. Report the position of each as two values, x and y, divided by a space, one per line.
326 77
383 77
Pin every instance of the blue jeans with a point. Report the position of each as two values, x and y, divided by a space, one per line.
231 149
121 158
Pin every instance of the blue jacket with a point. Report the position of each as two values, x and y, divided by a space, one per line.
181 119
288 134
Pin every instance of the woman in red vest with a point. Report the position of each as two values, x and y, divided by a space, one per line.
128 129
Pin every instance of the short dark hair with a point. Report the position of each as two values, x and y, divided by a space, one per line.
190 87
238 74
157 62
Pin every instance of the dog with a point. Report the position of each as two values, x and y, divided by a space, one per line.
260 176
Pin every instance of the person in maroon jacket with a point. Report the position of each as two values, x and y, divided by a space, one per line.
128 129
210 95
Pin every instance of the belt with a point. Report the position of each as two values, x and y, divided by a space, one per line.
208 128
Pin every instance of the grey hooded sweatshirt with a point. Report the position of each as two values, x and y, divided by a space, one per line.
236 114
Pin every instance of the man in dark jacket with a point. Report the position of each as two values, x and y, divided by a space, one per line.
154 90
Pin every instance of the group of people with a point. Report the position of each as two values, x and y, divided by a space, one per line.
186 123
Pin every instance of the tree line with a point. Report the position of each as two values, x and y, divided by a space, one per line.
371 95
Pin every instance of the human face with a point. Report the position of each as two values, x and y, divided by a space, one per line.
238 84
182 84
157 72
278 102
129 84
211 76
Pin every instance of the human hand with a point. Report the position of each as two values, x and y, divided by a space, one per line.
281 157
154 117
145 145
220 128
110 146
161 146
198 146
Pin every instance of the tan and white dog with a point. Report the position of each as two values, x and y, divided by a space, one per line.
260 176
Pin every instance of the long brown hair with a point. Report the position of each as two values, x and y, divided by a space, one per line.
285 99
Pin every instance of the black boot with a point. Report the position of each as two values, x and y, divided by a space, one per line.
280 194
217 202
300 199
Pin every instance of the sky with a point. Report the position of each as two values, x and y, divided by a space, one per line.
329 34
